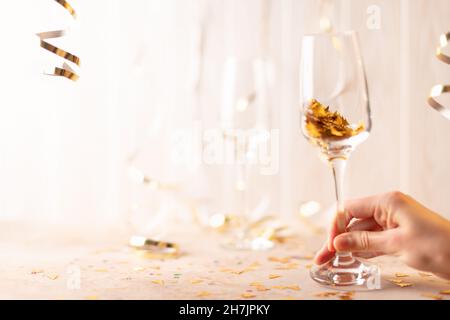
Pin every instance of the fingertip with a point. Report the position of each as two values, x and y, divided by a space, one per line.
323 255
343 242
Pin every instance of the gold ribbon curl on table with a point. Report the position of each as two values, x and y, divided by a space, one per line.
440 89
65 71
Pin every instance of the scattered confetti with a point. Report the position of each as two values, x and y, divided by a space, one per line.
347 295
280 260
425 275
155 267
326 294
251 267
138 269
36 271
401 275
196 281
203 294
289 266
248 295
160 282
256 284
294 288
262 288
395 281
274 276
431 296
404 284
445 292
52 276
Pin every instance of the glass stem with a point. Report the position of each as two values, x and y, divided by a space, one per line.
339 165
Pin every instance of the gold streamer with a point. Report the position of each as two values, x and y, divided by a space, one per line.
440 89
64 71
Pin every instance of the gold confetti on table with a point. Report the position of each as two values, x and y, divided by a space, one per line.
274 276
396 281
401 275
326 294
346 296
160 282
425 275
37 271
101 270
293 287
196 281
52 276
404 284
256 284
138 269
203 294
280 260
290 266
261 288
445 292
431 296
248 295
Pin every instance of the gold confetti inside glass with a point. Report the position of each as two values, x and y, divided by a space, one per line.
335 117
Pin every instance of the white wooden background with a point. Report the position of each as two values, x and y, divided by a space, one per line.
64 145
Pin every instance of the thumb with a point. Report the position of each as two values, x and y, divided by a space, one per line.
367 241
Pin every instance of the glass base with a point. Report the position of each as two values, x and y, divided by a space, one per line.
347 273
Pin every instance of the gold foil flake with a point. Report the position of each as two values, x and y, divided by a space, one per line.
346 296
256 284
251 267
400 282
404 284
425 275
432 296
280 260
160 282
261 288
445 292
274 276
290 266
138 269
196 281
65 70
326 294
292 287
248 295
321 123
52 276
203 294
37 271
401 275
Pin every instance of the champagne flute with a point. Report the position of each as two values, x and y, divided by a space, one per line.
335 117
243 117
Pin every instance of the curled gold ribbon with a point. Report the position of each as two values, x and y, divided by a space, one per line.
154 249
441 89
64 71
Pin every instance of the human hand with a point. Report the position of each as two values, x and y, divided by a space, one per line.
392 223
